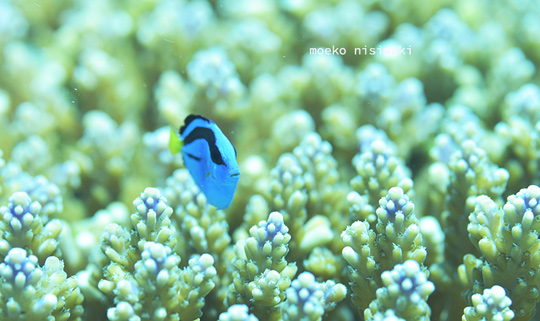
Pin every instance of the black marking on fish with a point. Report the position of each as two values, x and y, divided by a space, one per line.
198 159
208 135
191 118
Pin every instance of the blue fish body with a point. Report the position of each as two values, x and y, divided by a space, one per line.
210 158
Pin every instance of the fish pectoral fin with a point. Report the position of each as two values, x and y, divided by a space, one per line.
175 144
207 174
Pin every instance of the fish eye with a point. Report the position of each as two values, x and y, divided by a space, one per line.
216 156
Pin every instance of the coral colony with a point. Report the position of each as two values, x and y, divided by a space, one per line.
389 151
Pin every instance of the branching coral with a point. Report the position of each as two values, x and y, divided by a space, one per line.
324 263
22 226
33 292
520 130
158 288
305 187
237 312
507 237
492 305
202 228
369 252
309 300
32 155
325 194
378 170
468 173
329 79
405 291
260 270
141 272
335 109
14 179
471 174
173 96
215 77
103 156
508 72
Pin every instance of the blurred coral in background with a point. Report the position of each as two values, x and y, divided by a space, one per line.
376 185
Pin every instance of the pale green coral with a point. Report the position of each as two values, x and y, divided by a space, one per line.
309 300
323 263
161 278
369 252
237 312
33 292
520 130
405 291
378 170
141 273
261 272
507 238
23 227
201 228
89 91
305 187
215 77
492 305
32 155
471 175
39 188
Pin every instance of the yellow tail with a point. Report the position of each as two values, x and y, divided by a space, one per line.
175 144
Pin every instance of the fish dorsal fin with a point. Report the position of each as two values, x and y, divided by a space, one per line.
188 121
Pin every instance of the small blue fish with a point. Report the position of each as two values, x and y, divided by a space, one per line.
210 158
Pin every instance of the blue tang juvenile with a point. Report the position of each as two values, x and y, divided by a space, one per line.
210 158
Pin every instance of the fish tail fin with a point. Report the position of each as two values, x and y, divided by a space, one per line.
175 144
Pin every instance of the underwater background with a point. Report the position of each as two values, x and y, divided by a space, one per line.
389 154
